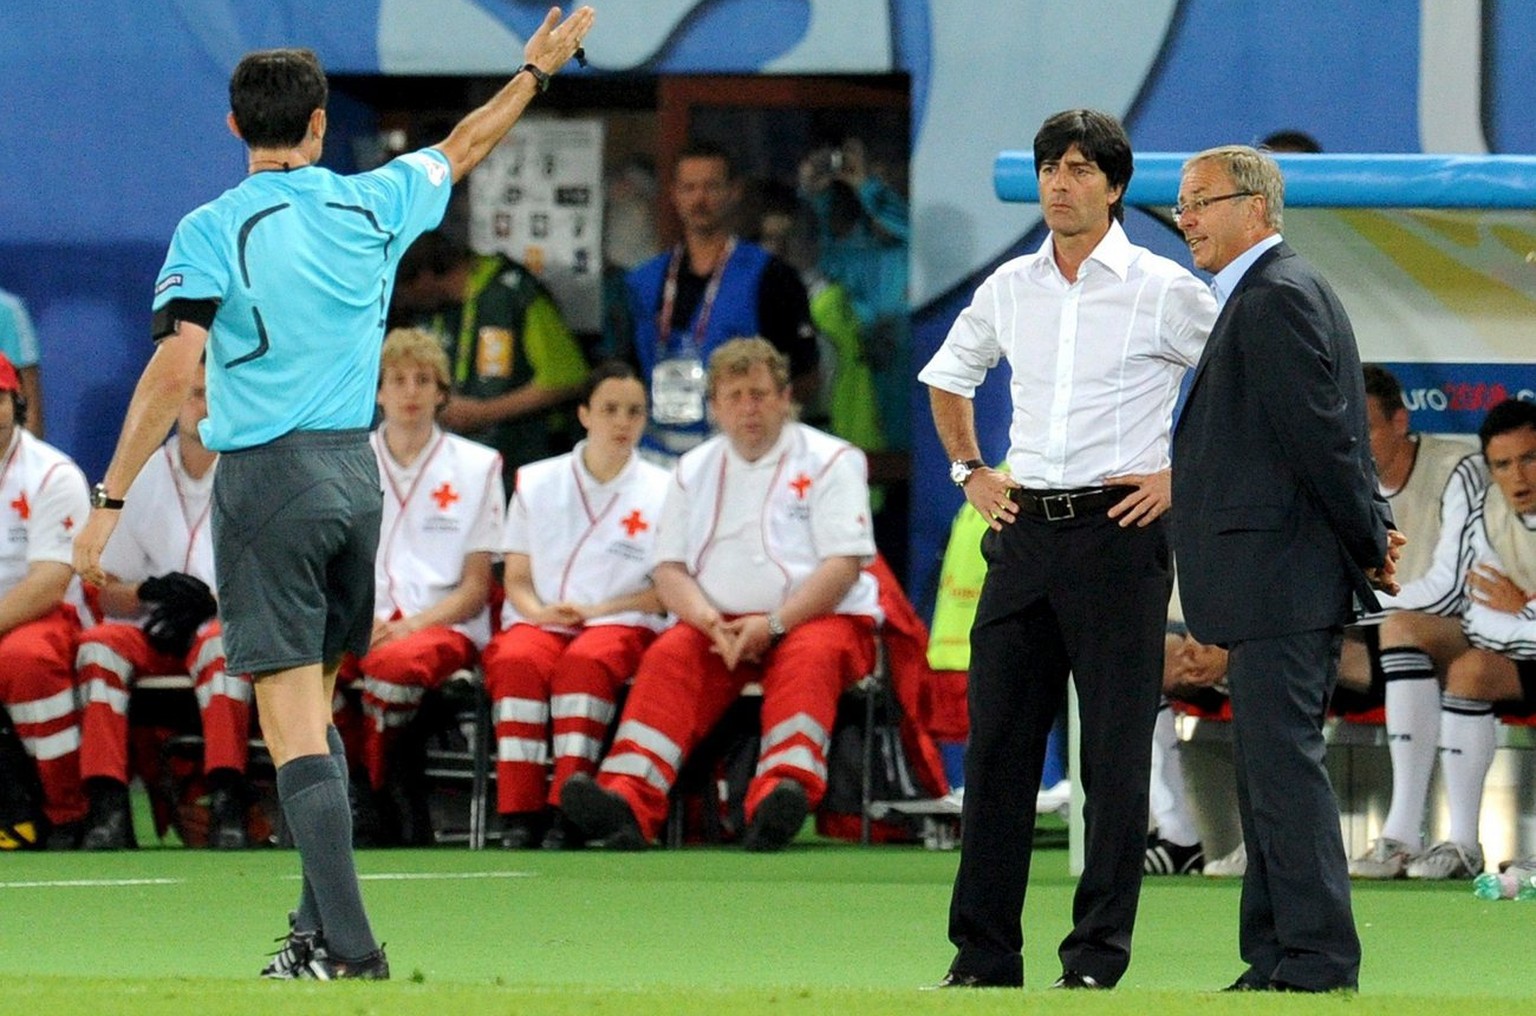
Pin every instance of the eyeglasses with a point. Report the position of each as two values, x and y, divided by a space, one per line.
1197 205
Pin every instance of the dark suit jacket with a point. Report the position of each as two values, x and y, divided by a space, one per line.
1276 512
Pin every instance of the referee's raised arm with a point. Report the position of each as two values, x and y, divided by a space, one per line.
547 51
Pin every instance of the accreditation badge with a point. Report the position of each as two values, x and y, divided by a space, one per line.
493 352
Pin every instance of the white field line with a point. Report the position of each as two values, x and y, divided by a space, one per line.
90 883
386 876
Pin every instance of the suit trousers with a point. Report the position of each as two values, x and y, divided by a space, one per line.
1296 925
1089 598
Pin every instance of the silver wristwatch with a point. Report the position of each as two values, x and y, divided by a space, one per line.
960 470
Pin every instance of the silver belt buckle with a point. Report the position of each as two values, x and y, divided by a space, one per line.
1061 499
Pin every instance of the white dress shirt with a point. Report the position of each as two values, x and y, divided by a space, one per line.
1096 363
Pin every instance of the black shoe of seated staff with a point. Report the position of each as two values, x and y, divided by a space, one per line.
522 830
109 822
563 835
601 814
778 818
226 818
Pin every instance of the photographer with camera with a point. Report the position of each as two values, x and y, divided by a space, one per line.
863 233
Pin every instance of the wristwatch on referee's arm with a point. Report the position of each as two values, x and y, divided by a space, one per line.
960 470
99 498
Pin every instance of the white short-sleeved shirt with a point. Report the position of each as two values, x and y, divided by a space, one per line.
1096 363
444 506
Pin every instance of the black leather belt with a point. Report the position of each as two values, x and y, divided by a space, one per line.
1061 505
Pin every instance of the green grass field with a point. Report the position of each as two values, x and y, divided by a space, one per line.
821 928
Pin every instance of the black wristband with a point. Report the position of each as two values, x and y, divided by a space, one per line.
539 77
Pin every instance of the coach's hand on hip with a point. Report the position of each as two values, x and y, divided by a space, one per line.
1153 496
987 491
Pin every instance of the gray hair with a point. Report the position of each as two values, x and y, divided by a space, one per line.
1251 170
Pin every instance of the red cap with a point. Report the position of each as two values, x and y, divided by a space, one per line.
10 381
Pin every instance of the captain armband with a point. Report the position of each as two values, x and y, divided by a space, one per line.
197 312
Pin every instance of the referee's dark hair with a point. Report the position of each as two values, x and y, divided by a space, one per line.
1099 137
1382 386
1511 414
273 93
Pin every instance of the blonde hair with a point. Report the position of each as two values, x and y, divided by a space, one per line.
739 356
414 345
1251 170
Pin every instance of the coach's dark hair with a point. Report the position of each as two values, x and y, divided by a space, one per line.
1511 414
1384 388
1098 136
608 370
272 94
432 253
700 149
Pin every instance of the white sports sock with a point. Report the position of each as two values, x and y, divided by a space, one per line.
1413 732
1466 752
1170 801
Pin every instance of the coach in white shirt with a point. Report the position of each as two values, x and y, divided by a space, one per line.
1098 333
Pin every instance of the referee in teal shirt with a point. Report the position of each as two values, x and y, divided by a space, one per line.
283 283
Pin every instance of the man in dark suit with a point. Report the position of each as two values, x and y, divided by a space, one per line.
1280 537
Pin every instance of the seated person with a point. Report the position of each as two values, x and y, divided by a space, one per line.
760 550
44 494
1174 847
1499 586
159 599
580 608
442 520
1432 484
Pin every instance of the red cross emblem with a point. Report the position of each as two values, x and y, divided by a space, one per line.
22 507
445 496
69 523
634 523
800 484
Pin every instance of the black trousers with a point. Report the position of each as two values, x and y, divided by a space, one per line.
1089 598
1296 924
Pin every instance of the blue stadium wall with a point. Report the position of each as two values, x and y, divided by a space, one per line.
112 126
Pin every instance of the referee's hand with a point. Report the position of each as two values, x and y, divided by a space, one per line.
91 541
987 491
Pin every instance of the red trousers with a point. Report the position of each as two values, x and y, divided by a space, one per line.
682 688
548 687
37 687
395 676
114 655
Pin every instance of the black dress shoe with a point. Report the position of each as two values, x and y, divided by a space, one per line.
1245 984
959 980
1278 985
1074 979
